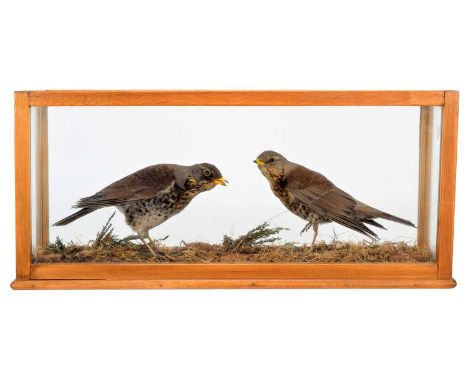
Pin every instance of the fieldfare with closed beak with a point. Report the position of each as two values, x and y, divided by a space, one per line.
312 197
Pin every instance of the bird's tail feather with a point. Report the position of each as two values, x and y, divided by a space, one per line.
394 218
354 224
73 217
372 222
367 212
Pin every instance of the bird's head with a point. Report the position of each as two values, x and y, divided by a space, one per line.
271 164
206 176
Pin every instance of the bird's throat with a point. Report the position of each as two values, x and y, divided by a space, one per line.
277 182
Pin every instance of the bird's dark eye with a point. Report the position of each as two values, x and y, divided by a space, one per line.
271 160
207 173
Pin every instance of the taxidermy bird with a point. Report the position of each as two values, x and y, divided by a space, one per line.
151 195
312 197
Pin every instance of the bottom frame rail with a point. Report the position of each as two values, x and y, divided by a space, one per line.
232 284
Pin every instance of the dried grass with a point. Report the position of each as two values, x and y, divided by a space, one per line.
259 245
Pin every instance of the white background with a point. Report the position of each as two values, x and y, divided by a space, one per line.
297 335
370 152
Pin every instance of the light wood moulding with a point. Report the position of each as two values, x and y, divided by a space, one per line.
230 284
236 98
42 179
425 170
234 271
143 276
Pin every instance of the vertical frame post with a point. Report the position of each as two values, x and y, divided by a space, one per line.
448 164
42 179
426 128
23 185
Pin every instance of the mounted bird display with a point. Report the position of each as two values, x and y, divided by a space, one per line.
150 196
314 198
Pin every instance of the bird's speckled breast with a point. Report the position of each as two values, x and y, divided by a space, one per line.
278 186
143 215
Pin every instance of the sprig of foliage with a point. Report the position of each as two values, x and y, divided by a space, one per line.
260 235
57 246
106 235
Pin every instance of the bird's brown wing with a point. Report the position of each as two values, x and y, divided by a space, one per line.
143 184
321 196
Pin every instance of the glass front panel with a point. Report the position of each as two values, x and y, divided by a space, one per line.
359 177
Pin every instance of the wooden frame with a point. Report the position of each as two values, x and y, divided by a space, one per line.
42 179
425 166
140 276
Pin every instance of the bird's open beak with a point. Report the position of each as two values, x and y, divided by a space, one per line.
221 181
259 162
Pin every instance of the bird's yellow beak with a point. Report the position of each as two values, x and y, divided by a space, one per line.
221 181
259 162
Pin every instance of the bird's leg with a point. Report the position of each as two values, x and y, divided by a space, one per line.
306 228
315 226
161 254
147 245
153 243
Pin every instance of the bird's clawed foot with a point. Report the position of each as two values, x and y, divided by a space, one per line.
156 251
153 247
312 246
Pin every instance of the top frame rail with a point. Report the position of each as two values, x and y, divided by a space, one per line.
234 98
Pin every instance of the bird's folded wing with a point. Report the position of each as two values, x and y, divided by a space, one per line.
147 183
321 196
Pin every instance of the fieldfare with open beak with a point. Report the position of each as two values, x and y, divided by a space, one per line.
151 195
